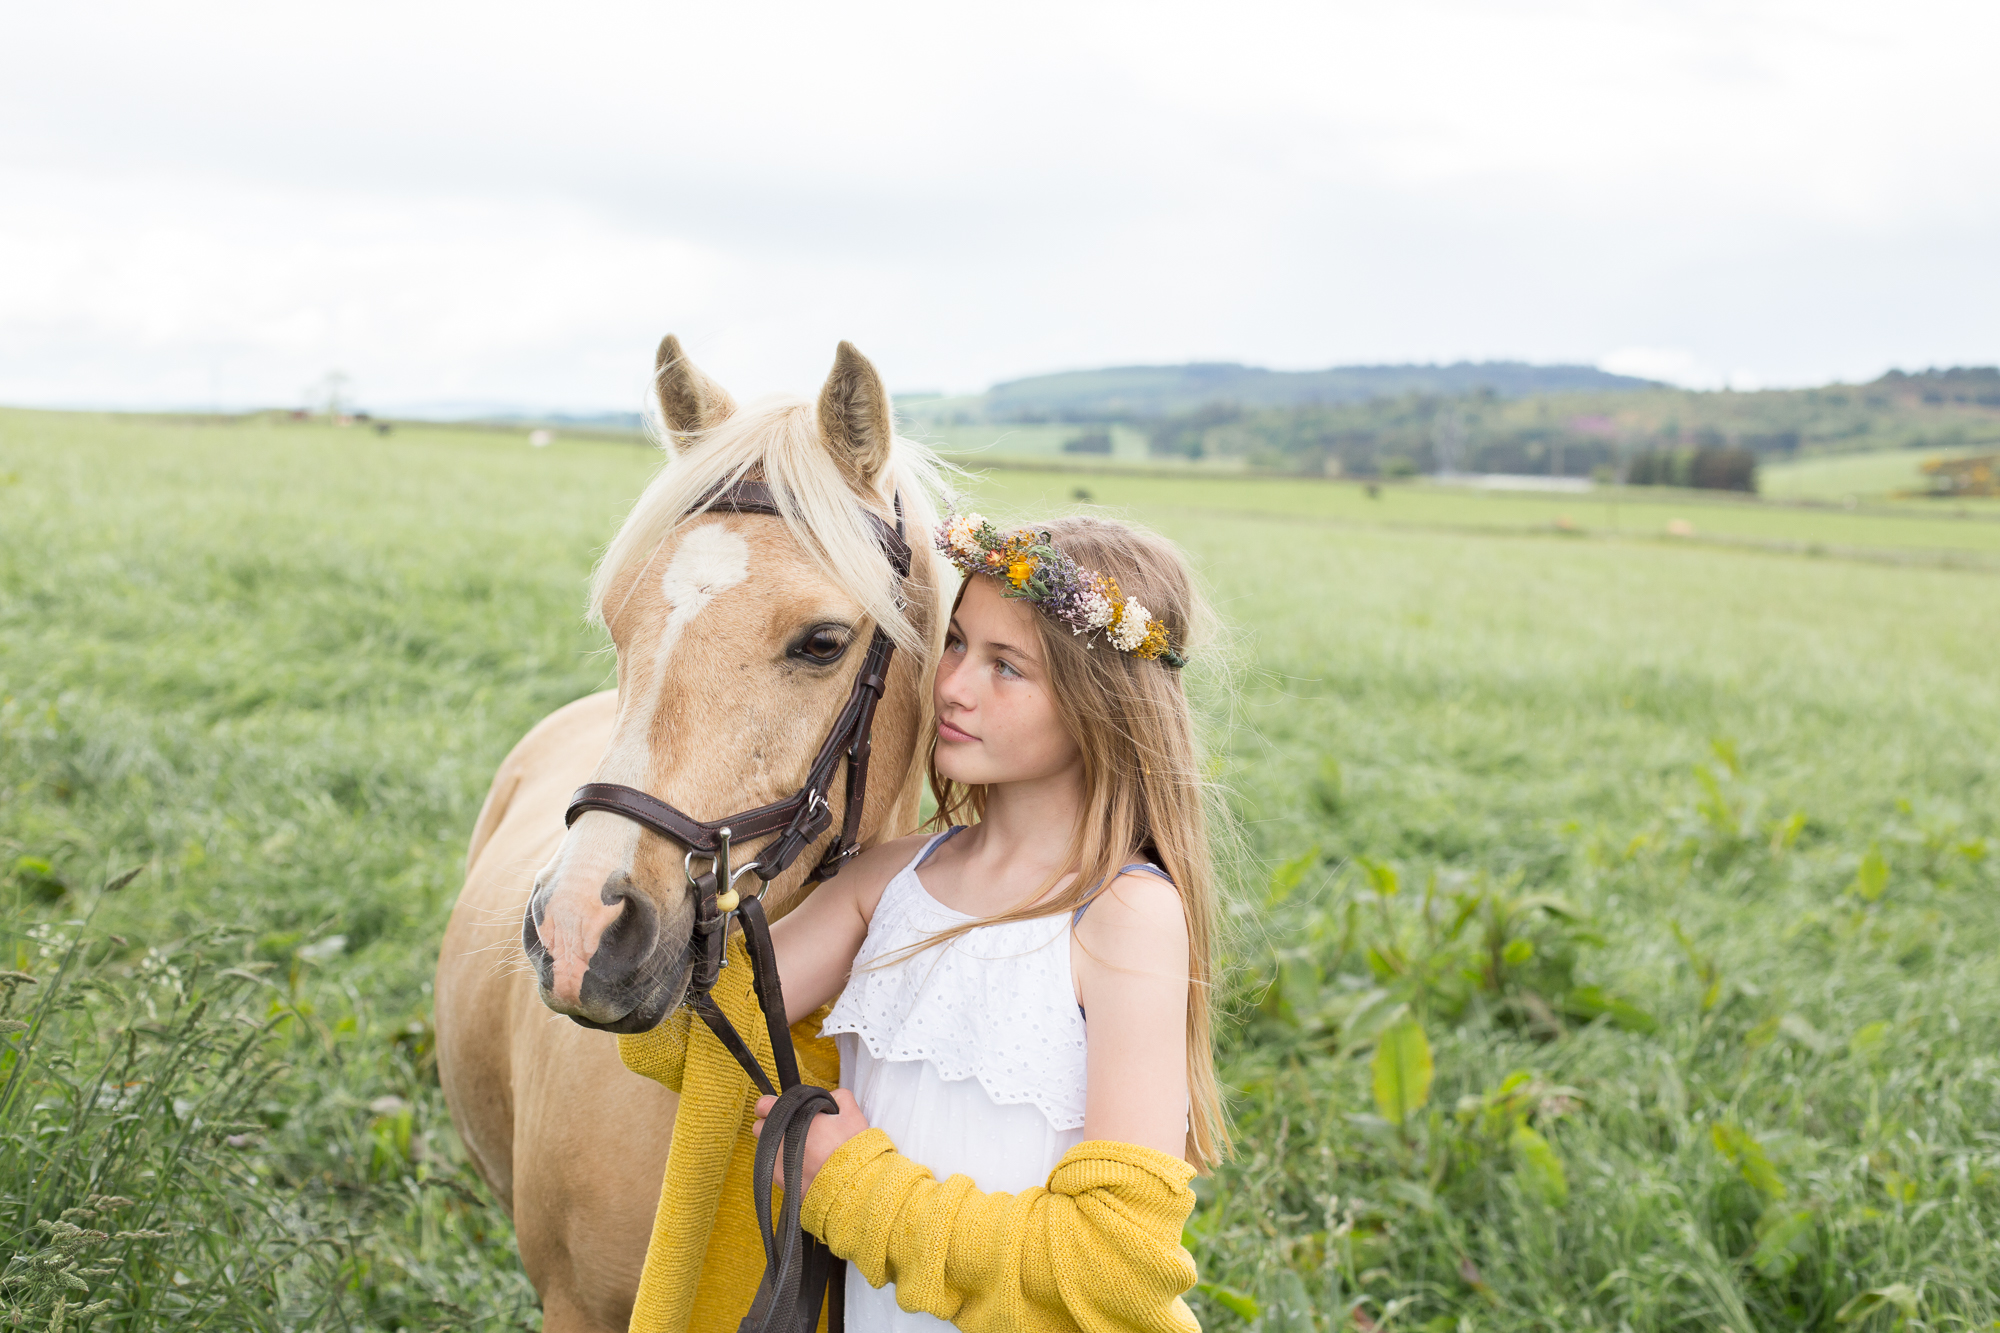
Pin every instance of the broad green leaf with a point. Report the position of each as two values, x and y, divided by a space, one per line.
1748 1157
1517 952
1763 1033
1868 1040
1550 903
1401 1069
1377 1010
1715 808
1872 877
1298 984
1413 1192
1384 964
1286 877
1537 1164
1328 791
1229 1298
1381 876
1594 1002
1287 1308
1805 1034
1900 1296
1783 1237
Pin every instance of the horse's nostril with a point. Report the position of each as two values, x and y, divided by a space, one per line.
629 940
531 945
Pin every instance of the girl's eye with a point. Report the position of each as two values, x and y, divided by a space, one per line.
821 645
1005 667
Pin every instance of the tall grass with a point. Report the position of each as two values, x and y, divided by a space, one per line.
273 669
1618 956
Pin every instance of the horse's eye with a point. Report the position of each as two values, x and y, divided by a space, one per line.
822 644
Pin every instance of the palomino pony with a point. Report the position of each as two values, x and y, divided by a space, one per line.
739 637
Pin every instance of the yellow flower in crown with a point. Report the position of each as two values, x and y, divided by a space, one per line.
1019 569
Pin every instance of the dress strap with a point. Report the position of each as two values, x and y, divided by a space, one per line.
1084 906
936 843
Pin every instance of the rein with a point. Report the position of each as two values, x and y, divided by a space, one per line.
800 1273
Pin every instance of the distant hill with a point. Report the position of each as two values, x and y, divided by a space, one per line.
1143 392
1958 384
1619 433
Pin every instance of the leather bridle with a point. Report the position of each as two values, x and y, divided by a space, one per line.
798 819
800 1273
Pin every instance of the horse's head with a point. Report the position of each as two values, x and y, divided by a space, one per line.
739 637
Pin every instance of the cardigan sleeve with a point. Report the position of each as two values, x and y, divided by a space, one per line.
1095 1250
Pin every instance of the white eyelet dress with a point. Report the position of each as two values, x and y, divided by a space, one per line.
969 1055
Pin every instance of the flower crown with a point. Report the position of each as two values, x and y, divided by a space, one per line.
1083 600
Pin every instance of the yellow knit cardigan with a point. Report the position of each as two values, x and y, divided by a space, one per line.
1097 1249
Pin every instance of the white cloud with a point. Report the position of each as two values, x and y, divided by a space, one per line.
1678 366
511 203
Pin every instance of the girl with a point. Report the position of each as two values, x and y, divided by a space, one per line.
1023 1011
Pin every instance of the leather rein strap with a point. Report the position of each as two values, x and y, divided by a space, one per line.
800 1273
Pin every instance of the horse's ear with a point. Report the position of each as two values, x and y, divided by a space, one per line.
690 402
854 415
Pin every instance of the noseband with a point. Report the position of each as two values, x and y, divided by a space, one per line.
800 1273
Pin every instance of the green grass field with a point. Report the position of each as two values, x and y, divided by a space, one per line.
1643 514
1611 945
1870 476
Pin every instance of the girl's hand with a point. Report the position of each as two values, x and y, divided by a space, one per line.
827 1133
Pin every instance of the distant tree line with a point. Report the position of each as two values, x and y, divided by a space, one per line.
1658 436
1420 433
1724 468
1960 384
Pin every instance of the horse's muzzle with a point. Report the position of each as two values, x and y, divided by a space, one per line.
635 976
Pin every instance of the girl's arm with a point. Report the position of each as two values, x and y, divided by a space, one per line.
1130 956
817 940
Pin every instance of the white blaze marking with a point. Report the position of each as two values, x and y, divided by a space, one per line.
709 561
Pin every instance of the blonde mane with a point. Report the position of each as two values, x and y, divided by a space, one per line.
779 440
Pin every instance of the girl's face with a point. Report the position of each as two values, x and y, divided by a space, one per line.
996 713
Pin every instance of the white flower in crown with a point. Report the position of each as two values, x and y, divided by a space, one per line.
1130 631
962 531
1094 610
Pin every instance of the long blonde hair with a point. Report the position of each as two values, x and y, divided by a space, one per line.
1143 782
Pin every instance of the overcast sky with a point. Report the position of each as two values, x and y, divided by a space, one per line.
506 205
